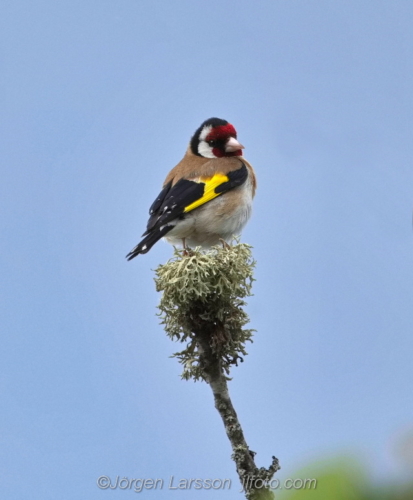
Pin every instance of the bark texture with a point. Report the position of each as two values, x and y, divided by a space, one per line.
252 478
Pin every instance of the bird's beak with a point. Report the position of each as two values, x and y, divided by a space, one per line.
233 145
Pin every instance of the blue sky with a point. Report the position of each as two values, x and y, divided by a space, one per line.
99 100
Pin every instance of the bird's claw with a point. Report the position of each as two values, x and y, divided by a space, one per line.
224 244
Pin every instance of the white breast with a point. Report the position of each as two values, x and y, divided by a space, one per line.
220 218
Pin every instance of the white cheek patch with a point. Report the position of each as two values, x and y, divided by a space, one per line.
204 132
204 149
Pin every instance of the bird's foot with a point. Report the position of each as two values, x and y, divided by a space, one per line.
186 251
224 244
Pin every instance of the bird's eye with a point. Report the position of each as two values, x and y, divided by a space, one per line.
212 143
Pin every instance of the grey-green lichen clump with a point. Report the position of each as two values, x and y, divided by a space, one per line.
202 297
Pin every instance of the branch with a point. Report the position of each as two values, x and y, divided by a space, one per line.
202 306
248 472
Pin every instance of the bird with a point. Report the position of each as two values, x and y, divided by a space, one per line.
207 197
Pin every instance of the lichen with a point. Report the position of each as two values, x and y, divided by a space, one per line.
206 291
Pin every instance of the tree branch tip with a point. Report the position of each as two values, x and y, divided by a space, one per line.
202 306
204 291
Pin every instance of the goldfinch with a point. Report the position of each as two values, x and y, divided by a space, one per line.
207 197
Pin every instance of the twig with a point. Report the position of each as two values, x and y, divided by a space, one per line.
254 480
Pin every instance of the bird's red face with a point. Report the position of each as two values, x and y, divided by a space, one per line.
223 140
216 138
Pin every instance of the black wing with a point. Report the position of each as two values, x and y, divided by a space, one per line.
173 201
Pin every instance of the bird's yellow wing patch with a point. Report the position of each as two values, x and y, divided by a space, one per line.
209 191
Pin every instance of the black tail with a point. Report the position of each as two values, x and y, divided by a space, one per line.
149 241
